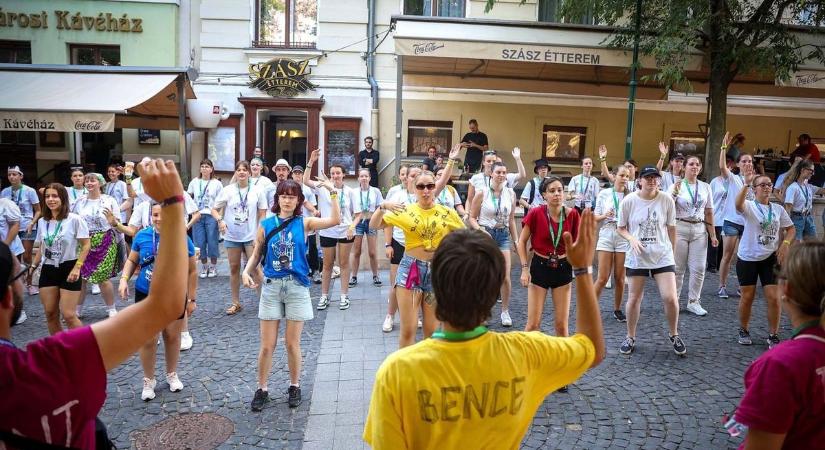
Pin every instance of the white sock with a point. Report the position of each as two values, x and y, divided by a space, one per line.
298 385
111 308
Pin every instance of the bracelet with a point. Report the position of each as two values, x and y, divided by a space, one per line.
387 245
524 266
786 242
171 201
333 195
124 278
602 159
191 300
724 147
662 158
583 271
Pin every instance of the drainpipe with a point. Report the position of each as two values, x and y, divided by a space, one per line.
371 68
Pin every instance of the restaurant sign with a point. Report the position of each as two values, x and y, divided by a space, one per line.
805 79
281 77
55 121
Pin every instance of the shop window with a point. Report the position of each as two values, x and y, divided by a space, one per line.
94 55
550 11
421 134
287 24
437 8
15 52
341 141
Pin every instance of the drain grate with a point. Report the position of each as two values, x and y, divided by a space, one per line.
186 431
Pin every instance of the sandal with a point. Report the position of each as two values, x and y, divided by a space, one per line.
234 309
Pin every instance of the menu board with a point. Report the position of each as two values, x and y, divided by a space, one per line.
342 149
222 148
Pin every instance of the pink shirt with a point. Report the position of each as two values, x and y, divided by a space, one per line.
785 391
53 390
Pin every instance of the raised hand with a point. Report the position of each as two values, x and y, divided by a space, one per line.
160 179
727 139
455 150
602 151
580 253
516 152
325 182
663 149
313 156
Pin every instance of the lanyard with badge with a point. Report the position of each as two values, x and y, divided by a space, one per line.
365 205
555 237
203 189
242 213
460 335
694 198
765 223
74 192
497 205
149 261
615 205
805 209
19 195
49 239
584 187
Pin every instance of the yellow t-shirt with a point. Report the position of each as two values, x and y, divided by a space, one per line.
475 394
424 227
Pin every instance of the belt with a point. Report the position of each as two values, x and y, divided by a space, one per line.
546 258
497 227
800 213
693 221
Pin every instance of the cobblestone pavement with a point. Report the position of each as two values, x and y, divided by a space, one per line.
651 399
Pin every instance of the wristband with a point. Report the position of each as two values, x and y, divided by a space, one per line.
524 266
171 201
786 242
602 159
387 245
583 271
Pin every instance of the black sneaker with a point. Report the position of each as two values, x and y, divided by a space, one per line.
376 281
261 397
353 281
627 346
773 340
744 337
619 315
294 396
678 345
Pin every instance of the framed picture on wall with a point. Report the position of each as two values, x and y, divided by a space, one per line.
148 137
421 134
341 143
221 148
52 139
688 143
563 144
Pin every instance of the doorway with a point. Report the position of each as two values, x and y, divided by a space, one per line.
285 137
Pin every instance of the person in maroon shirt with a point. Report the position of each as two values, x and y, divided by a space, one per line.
806 149
53 391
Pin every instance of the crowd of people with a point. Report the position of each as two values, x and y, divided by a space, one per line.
450 266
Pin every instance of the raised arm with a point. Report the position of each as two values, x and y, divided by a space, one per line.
662 156
740 199
603 163
307 178
320 223
448 170
522 172
723 162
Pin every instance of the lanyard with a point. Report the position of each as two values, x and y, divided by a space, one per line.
49 238
802 327
584 186
460 335
365 205
496 204
111 188
19 194
442 197
805 194
155 242
203 190
555 237
694 198
615 203
74 192
767 216
244 198
341 200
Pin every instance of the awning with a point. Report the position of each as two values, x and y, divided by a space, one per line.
87 99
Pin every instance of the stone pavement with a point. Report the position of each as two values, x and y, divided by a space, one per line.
651 399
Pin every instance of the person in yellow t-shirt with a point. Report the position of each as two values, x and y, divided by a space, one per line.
424 223
475 388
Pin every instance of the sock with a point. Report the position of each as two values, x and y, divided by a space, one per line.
263 388
111 308
297 385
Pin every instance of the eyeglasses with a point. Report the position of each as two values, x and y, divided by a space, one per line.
764 185
429 186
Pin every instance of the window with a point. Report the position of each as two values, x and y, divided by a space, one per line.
287 23
550 11
94 55
421 134
15 52
438 8
341 139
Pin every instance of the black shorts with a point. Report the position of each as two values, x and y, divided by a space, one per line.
328 242
397 252
649 272
51 276
140 296
547 278
749 271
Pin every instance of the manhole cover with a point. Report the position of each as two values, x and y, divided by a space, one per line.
186 431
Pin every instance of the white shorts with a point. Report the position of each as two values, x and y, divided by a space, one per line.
611 241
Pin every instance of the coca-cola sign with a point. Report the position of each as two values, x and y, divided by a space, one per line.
48 121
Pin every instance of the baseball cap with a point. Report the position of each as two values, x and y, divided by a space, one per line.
297 169
649 171
282 162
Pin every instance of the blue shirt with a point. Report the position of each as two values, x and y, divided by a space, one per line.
286 252
145 244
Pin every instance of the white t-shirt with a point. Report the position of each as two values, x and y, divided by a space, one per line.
241 211
117 190
204 193
584 190
369 200
762 225
734 184
648 221
495 213
691 202
63 235
10 213
91 210
609 200
25 198
448 197
140 195
531 197
405 198
266 186
391 191
720 200
311 197
668 180
75 194
801 196
349 205
142 214
481 181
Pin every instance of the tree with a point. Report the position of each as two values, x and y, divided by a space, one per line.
734 37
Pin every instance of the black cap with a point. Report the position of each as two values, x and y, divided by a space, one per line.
649 171
297 169
678 156
541 162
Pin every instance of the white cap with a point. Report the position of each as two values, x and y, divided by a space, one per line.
282 162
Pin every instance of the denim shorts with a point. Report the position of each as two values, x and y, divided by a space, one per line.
284 298
420 281
732 229
611 241
804 224
232 244
501 236
363 228
27 236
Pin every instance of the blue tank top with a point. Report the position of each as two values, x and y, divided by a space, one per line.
286 252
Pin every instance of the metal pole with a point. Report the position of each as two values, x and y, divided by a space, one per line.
184 155
399 89
631 101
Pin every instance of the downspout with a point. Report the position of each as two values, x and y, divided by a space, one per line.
371 69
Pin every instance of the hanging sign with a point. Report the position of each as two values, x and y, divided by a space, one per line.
57 121
281 77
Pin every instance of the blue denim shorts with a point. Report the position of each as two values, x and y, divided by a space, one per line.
732 229
232 244
284 298
27 236
804 224
363 228
422 281
501 236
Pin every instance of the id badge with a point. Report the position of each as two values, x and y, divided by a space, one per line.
149 275
241 216
49 254
553 262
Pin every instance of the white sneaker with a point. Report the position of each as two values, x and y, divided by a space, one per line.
212 272
185 340
148 389
23 317
323 302
204 271
420 324
344 302
506 321
609 284
696 308
112 312
336 272
95 289
174 382
387 327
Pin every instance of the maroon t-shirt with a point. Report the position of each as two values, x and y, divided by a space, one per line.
540 238
52 391
785 391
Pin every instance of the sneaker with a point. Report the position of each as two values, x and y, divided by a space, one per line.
212 272
112 312
420 324
344 302
336 272
204 271
174 382
723 293
33 290
506 321
23 317
619 316
773 341
294 396
376 281
744 337
498 300
261 397
148 389
628 346
609 284
185 340
316 278
95 289
323 302
696 308
387 326
678 345
353 281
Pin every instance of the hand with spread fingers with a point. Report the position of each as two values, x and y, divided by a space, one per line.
160 179
580 253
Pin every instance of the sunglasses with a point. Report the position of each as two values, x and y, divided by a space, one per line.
429 186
